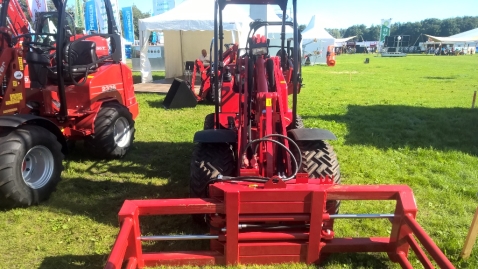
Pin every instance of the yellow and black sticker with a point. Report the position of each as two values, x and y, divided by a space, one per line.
20 63
15 83
15 98
268 102
10 110
90 76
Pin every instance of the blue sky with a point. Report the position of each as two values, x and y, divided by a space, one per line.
345 13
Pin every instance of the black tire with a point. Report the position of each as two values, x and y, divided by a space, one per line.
298 124
209 121
30 164
318 159
208 161
103 142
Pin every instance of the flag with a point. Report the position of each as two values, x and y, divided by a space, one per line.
91 22
385 29
116 14
36 6
128 28
101 15
79 18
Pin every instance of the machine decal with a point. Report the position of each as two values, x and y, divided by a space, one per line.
10 110
108 88
18 74
268 102
15 83
2 68
15 98
20 63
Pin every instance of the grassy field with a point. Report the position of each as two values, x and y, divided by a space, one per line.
398 121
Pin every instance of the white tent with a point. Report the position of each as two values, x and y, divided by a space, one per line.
315 40
188 28
468 36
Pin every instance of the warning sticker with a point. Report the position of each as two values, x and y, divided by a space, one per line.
268 102
20 63
15 83
15 98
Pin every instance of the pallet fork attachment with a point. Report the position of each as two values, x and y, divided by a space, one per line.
236 209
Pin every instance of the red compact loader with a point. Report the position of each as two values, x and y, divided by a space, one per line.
58 87
268 188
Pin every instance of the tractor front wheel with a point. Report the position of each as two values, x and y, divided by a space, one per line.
318 159
114 132
30 164
208 161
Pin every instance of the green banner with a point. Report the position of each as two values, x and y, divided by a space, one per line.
79 14
385 29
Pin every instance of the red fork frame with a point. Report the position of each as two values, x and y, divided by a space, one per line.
231 204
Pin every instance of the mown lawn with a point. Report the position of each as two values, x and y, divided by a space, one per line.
398 121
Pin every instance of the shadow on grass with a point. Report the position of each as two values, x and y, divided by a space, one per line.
441 78
358 260
73 262
101 199
385 126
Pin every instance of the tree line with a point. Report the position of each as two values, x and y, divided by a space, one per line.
434 27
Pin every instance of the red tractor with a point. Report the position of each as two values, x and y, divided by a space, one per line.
205 90
71 91
268 188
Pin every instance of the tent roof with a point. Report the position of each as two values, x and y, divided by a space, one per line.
195 15
315 31
468 36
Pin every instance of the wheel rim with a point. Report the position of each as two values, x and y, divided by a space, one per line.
37 167
122 132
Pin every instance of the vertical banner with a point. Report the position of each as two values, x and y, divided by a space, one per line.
128 28
116 14
79 18
101 15
385 29
36 6
91 23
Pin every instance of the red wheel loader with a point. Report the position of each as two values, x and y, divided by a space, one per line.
268 188
70 91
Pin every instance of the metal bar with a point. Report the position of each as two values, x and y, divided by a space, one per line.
178 237
403 261
117 254
132 263
362 216
419 252
428 243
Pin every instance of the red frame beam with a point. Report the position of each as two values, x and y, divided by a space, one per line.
304 203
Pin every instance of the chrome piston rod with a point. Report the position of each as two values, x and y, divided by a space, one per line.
242 226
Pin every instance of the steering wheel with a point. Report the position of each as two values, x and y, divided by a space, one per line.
39 47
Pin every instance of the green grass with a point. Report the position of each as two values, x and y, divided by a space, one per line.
398 121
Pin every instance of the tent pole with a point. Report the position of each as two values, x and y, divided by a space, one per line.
182 56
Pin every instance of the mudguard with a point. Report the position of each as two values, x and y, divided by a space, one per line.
311 134
215 136
13 121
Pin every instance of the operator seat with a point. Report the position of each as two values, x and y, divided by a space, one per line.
81 57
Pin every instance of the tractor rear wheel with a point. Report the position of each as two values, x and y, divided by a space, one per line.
209 121
208 161
30 164
298 124
114 132
318 159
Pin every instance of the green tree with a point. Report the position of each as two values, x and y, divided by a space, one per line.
137 14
